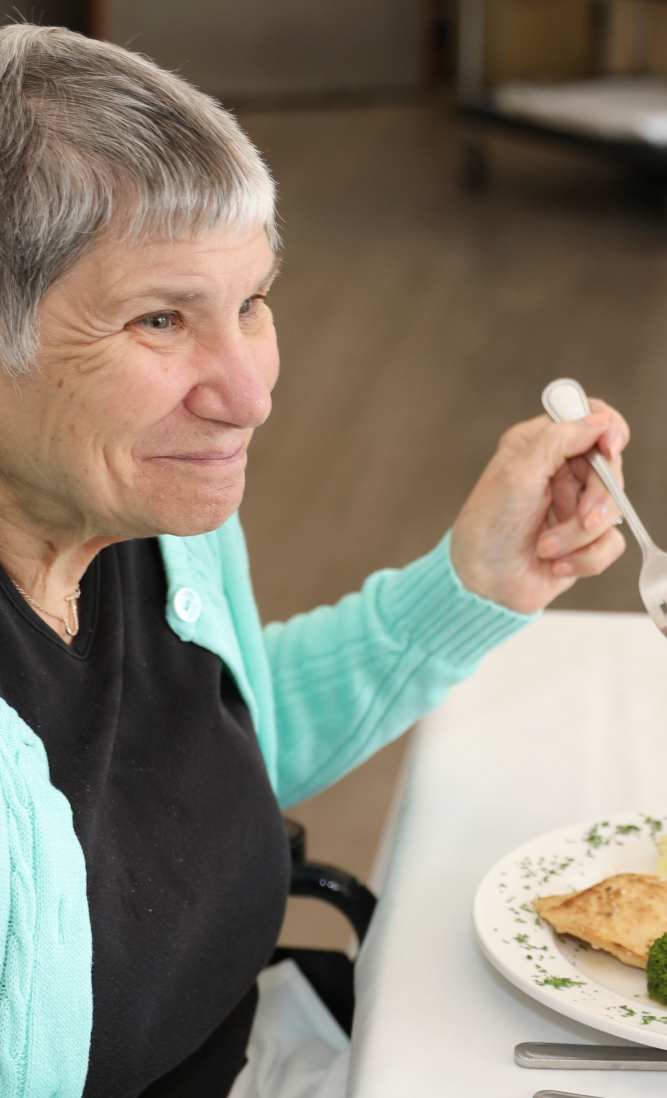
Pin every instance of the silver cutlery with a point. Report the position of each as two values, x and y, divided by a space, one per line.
562 1094
534 1054
565 400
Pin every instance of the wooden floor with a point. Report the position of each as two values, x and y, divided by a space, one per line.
417 323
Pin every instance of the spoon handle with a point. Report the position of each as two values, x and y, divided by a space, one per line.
564 399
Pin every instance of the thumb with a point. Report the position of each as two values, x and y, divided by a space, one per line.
560 441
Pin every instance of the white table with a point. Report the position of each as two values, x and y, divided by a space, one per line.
566 721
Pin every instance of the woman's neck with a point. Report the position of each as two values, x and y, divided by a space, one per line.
47 568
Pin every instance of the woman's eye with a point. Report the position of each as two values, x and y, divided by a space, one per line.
252 304
159 322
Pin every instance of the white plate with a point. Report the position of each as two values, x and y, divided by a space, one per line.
585 984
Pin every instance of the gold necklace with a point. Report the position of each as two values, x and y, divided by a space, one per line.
71 622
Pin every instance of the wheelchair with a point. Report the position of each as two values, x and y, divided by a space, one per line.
330 972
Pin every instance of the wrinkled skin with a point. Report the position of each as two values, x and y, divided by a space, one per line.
156 363
539 518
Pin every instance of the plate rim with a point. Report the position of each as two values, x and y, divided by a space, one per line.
629 1029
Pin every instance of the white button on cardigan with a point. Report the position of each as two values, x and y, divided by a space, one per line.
187 604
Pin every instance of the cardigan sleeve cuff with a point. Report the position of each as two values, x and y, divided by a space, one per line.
427 604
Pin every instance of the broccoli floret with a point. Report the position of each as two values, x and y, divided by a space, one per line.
656 970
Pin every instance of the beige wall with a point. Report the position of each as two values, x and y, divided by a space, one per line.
657 42
638 37
553 39
537 39
260 47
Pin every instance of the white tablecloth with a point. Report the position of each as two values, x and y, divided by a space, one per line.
566 721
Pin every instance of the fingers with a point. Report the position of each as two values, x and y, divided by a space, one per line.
617 433
557 452
617 436
556 442
589 560
561 441
566 490
595 504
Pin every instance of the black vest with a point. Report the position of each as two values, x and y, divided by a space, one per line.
188 867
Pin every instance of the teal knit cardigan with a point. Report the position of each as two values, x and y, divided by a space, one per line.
325 689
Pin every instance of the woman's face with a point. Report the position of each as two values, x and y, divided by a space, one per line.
156 365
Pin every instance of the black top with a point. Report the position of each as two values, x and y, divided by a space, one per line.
185 849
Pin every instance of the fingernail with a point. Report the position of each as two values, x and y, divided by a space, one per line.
549 545
562 568
593 518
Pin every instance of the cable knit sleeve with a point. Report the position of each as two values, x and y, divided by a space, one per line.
349 678
45 939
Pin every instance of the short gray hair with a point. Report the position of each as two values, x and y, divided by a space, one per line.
96 138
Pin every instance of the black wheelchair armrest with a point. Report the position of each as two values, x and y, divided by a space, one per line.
328 883
338 888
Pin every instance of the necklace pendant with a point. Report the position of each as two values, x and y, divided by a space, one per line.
71 601
72 613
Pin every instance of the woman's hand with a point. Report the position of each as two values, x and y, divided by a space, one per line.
539 517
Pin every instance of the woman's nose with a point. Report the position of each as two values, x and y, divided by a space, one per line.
236 389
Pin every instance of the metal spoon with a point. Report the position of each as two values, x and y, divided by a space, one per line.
564 400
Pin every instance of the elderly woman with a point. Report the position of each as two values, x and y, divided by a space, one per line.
149 726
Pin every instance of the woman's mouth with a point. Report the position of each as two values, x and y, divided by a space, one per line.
207 457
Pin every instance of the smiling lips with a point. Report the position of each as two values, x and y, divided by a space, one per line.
206 457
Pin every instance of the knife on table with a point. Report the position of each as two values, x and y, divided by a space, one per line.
594 1057
561 1094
